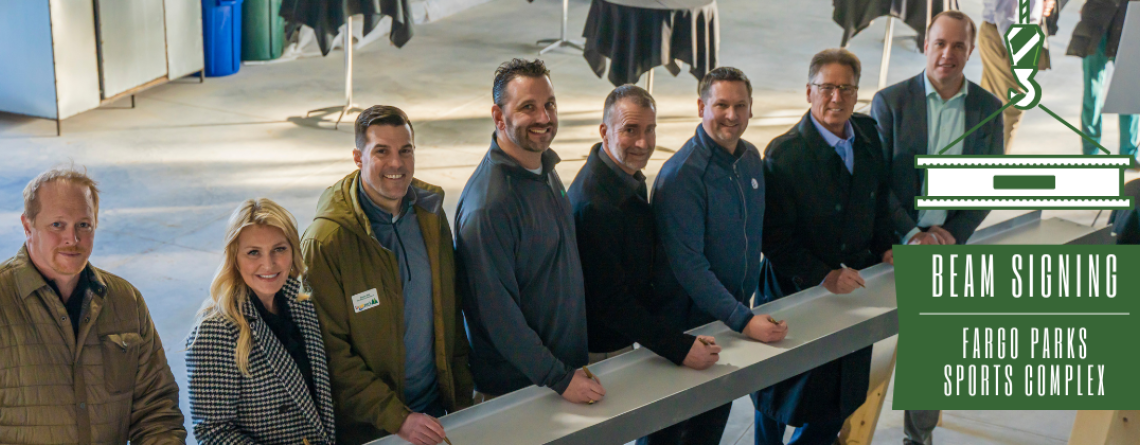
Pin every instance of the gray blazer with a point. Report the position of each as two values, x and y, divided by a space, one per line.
900 114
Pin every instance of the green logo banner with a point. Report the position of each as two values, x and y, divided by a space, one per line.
1018 327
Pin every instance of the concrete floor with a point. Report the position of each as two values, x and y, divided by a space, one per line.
173 169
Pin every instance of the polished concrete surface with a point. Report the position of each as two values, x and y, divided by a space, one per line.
172 169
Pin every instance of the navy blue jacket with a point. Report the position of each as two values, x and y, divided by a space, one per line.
709 207
518 269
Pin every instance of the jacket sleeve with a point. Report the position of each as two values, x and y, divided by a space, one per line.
361 395
782 234
155 417
214 384
963 223
608 289
900 220
461 358
486 251
680 207
884 237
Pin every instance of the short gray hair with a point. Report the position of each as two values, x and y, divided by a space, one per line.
32 204
834 55
638 95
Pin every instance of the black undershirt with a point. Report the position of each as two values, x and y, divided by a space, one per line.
74 303
286 331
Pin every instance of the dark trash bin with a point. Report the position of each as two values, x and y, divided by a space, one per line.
263 30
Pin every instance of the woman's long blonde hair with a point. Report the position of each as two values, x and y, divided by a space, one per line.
228 292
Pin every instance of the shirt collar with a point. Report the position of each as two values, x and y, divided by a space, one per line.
29 279
931 90
633 181
263 312
718 152
830 137
374 210
499 156
287 294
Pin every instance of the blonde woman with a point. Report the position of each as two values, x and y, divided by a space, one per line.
255 359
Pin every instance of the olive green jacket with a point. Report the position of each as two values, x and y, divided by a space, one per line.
366 348
108 385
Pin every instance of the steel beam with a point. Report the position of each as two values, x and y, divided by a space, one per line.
645 393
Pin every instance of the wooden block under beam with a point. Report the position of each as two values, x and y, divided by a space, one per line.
1106 428
859 429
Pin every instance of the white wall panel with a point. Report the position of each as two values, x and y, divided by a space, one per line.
76 63
27 79
184 37
133 43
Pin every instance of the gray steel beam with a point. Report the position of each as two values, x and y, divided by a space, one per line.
645 393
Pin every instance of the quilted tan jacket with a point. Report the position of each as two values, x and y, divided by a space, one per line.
111 386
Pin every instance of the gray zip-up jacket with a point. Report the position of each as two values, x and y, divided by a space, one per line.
518 268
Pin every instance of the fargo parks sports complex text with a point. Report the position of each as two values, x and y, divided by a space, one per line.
1047 276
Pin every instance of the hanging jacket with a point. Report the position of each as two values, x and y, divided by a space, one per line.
1099 18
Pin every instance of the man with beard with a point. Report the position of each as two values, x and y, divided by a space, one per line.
381 272
827 210
82 361
921 116
518 265
708 202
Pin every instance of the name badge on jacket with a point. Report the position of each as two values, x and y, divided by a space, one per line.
365 300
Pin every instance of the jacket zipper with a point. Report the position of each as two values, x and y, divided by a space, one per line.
744 206
407 267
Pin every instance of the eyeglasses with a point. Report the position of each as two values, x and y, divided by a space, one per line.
829 89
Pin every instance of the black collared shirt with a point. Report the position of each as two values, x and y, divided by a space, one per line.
74 303
286 331
636 181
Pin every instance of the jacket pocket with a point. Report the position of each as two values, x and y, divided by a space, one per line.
120 361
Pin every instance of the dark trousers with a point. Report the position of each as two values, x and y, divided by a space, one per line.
771 432
702 429
919 426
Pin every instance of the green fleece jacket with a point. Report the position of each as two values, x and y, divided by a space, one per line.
356 288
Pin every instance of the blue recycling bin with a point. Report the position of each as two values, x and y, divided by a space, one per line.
221 32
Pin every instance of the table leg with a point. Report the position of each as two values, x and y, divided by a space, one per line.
553 44
885 65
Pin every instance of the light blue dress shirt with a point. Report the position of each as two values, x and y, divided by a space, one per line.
945 122
843 147
1004 13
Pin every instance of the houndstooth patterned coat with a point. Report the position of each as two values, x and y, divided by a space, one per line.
272 405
